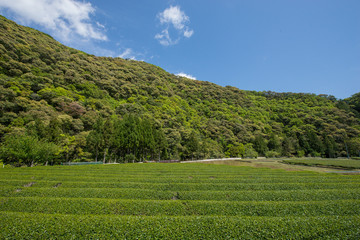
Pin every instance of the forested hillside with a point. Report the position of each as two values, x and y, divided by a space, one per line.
60 104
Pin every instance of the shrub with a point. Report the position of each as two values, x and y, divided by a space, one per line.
300 153
130 158
272 154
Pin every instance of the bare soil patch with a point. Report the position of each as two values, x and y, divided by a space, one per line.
29 184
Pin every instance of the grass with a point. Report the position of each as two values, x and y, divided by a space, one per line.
177 201
332 163
296 164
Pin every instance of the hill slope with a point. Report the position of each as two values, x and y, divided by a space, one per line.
81 106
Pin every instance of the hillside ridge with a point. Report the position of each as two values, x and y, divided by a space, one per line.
85 107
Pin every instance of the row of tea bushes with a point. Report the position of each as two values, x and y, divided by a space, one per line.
179 207
176 201
60 226
114 193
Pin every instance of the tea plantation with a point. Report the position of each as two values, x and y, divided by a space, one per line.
176 201
335 163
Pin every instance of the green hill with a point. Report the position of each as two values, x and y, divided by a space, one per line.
58 104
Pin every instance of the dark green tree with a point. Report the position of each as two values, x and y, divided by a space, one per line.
260 145
274 143
192 145
95 139
330 147
315 143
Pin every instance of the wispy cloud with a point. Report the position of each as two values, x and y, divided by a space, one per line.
181 74
164 38
66 19
173 17
127 53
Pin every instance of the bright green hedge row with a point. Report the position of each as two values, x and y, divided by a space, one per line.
178 207
279 178
176 201
188 186
58 226
340 163
114 193
198 170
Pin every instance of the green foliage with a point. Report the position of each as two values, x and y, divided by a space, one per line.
203 227
28 150
260 145
249 151
354 102
179 118
236 150
272 154
176 201
274 143
129 139
339 163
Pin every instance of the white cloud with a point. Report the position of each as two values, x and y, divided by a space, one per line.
164 38
66 19
127 53
181 74
188 33
173 17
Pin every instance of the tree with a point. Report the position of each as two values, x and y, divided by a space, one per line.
274 143
315 143
288 146
192 145
27 150
249 151
236 150
304 145
329 147
68 146
53 131
37 129
107 132
354 147
95 139
260 145
161 144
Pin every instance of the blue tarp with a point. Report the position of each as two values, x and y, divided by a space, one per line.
80 163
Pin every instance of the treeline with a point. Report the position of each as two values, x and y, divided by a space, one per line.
126 140
114 139
134 138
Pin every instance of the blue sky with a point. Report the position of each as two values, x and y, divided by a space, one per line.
310 46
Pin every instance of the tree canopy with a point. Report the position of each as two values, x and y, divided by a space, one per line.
113 109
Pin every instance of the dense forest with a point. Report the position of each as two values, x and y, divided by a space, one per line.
59 104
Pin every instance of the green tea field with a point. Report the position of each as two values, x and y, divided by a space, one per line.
177 201
336 163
